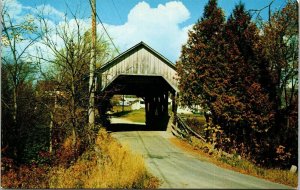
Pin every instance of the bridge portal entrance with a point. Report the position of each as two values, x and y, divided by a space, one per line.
143 72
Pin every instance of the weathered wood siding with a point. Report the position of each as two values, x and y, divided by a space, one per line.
140 62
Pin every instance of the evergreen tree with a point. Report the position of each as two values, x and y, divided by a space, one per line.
198 67
222 69
250 115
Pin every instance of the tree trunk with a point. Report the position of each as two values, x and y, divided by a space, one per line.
15 105
73 116
50 132
15 131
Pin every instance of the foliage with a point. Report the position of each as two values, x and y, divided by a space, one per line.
25 176
198 57
244 108
28 135
280 48
244 103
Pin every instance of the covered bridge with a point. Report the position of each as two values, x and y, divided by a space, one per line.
143 72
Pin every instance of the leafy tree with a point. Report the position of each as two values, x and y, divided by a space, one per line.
280 42
280 48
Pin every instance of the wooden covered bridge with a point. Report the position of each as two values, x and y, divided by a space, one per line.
143 72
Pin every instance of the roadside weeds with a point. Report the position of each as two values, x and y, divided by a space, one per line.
237 164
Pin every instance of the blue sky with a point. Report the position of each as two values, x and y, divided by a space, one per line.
161 24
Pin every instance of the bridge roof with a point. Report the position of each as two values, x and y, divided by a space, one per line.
140 60
130 51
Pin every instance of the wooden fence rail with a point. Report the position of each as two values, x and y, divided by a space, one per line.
181 129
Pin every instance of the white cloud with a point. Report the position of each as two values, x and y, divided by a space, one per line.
72 25
49 10
16 10
158 27
13 7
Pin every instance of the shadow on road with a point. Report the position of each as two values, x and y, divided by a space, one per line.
123 124
116 127
119 114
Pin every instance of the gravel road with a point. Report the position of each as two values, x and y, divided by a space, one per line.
179 169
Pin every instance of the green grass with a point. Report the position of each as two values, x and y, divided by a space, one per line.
136 116
131 115
196 122
199 117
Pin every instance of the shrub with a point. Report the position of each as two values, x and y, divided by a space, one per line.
32 176
66 153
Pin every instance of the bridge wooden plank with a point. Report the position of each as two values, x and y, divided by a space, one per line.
139 60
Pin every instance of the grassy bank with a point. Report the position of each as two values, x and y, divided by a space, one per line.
206 153
109 165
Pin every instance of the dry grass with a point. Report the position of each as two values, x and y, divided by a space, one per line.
119 108
109 165
197 148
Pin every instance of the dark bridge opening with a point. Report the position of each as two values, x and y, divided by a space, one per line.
154 91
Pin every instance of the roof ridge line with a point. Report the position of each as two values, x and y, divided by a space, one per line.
141 43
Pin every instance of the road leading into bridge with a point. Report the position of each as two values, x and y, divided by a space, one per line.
179 169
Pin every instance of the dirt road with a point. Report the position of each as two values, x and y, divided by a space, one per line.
179 169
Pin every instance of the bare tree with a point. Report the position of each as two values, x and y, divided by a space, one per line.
71 62
17 37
